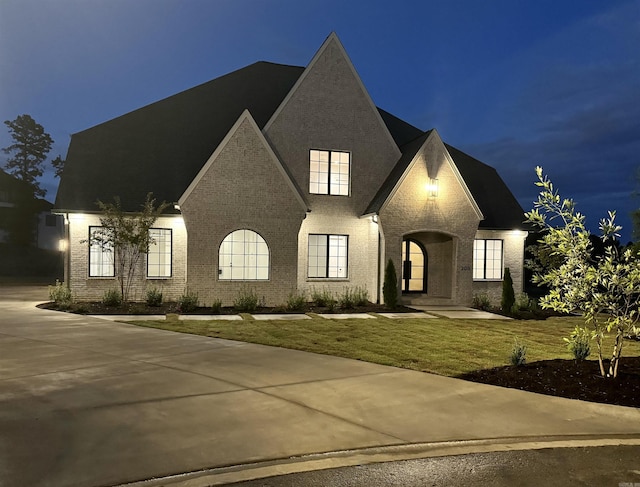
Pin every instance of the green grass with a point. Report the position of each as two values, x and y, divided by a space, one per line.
442 346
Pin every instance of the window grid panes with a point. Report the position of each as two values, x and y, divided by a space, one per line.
244 256
329 172
487 259
159 255
101 263
328 256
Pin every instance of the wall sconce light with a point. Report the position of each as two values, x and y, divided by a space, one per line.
62 245
432 187
374 218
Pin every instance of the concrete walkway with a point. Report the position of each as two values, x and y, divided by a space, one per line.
89 402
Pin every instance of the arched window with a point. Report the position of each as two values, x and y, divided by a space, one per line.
244 256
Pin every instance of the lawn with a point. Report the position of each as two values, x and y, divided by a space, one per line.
443 346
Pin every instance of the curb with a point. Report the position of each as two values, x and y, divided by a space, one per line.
349 458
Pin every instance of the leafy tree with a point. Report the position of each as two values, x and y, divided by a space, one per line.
390 285
604 288
508 296
29 150
127 236
58 165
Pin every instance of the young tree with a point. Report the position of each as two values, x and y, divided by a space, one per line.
29 150
604 288
127 236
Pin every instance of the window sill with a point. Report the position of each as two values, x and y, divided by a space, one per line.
488 280
327 279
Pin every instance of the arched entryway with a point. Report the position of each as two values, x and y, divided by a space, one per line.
415 266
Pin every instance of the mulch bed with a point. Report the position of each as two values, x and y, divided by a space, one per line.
98 308
570 379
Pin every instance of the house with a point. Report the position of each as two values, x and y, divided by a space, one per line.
24 219
287 178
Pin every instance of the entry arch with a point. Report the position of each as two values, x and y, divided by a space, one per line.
415 267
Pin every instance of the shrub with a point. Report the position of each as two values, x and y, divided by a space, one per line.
323 298
482 301
187 302
347 299
508 296
518 353
525 303
296 301
246 301
216 307
154 297
578 343
390 285
61 295
112 298
361 296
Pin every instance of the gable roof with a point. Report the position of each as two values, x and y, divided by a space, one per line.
162 147
499 207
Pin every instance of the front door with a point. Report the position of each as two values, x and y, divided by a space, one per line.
414 267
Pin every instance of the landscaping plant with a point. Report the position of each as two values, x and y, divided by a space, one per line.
508 296
126 236
112 298
61 295
188 302
518 353
154 297
247 300
604 289
390 285
296 301
579 343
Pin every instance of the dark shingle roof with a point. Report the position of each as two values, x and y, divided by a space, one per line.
500 208
161 147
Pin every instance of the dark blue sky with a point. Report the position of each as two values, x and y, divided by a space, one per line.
514 83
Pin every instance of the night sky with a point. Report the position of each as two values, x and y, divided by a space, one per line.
514 83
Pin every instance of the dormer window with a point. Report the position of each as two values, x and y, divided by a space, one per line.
329 172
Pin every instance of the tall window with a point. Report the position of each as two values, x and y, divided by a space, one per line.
329 172
159 255
244 256
328 256
487 259
101 262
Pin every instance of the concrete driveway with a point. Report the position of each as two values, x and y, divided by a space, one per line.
89 402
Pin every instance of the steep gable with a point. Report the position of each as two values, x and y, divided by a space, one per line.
328 108
162 146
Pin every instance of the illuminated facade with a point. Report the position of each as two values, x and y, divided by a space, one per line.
288 178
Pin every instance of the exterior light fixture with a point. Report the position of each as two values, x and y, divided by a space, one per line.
374 218
432 187
62 245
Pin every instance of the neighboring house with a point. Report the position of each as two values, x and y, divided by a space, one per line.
25 219
286 178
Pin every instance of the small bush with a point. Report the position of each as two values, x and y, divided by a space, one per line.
296 301
216 307
61 295
508 296
154 297
361 296
246 301
390 285
518 353
188 302
323 298
112 298
481 301
525 303
579 343
347 299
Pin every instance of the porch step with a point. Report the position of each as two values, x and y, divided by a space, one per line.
426 300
